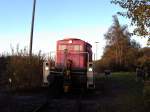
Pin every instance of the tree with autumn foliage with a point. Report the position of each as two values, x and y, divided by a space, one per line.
144 57
120 52
138 11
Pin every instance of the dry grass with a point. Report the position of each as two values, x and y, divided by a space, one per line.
130 95
24 72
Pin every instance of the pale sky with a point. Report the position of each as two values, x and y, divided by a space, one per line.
56 19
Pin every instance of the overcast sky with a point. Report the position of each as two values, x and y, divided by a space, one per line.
56 19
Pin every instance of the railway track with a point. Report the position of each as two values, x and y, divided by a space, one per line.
44 102
50 102
67 106
67 103
47 102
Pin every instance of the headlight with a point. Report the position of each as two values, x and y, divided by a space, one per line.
46 68
10 80
90 69
70 41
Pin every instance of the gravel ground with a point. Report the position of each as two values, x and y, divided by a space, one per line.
73 102
102 99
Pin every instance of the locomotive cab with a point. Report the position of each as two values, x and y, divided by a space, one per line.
73 65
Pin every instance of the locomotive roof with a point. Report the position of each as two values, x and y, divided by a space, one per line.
76 39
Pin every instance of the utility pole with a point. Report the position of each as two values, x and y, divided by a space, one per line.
32 28
96 49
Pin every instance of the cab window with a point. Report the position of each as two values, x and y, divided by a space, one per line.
62 47
78 48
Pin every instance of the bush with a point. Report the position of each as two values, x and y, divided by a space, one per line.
3 63
3 76
25 72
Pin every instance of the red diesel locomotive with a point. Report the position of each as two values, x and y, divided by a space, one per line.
73 65
78 51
